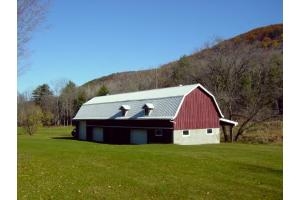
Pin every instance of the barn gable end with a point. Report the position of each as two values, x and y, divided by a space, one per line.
198 111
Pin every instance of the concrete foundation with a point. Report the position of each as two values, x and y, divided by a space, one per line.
197 136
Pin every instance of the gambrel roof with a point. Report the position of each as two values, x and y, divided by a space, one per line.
166 103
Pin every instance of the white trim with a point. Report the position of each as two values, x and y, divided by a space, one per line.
229 121
125 118
177 111
202 87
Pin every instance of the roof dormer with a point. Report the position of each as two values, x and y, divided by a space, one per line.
124 109
148 108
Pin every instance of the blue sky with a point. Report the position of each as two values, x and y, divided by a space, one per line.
85 40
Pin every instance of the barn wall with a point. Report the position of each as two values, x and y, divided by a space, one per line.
116 135
198 111
131 123
197 136
165 138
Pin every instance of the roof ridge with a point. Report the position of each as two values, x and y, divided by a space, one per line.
196 84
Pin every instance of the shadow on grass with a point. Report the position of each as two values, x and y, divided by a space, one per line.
72 138
91 141
64 138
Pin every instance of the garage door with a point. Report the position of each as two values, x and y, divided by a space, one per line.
97 134
82 130
138 136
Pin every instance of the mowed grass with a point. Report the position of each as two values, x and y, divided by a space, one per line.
52 166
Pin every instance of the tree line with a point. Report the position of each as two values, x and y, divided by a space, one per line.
42 107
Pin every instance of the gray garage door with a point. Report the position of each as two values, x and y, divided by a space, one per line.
138 136
82 130
97 134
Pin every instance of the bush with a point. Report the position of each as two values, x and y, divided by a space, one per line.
31 118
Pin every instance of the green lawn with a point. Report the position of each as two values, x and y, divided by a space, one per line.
51 166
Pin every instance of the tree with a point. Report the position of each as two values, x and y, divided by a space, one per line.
30 117
102 91
67 99
57 86
40 94
43 97
47 118
245 82
30 13
180 71
261 87
80 99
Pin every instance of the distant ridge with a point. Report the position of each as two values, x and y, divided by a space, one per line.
269 38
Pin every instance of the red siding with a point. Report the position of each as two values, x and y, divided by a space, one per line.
197 111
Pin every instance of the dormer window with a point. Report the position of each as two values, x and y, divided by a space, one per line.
148 108
124 109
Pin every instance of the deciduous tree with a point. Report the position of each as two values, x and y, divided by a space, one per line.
30 13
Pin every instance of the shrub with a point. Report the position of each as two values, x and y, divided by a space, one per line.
32 118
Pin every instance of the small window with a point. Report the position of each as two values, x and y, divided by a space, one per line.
158 132
209 131
186 133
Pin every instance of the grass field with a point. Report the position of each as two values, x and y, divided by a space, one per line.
53 166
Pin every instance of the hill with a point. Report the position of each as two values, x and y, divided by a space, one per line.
268 38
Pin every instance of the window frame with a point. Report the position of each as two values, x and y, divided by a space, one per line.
186 135
209 131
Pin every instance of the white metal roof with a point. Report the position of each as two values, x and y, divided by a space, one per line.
146 94
167 102
165 108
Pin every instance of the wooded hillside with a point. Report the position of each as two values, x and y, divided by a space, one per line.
191 69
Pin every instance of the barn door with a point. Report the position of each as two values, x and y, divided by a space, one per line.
82 130
97 134
138 136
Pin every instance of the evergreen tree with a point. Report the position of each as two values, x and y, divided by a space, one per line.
40 92
103 91
81 99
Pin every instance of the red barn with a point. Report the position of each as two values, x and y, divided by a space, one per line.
180 115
